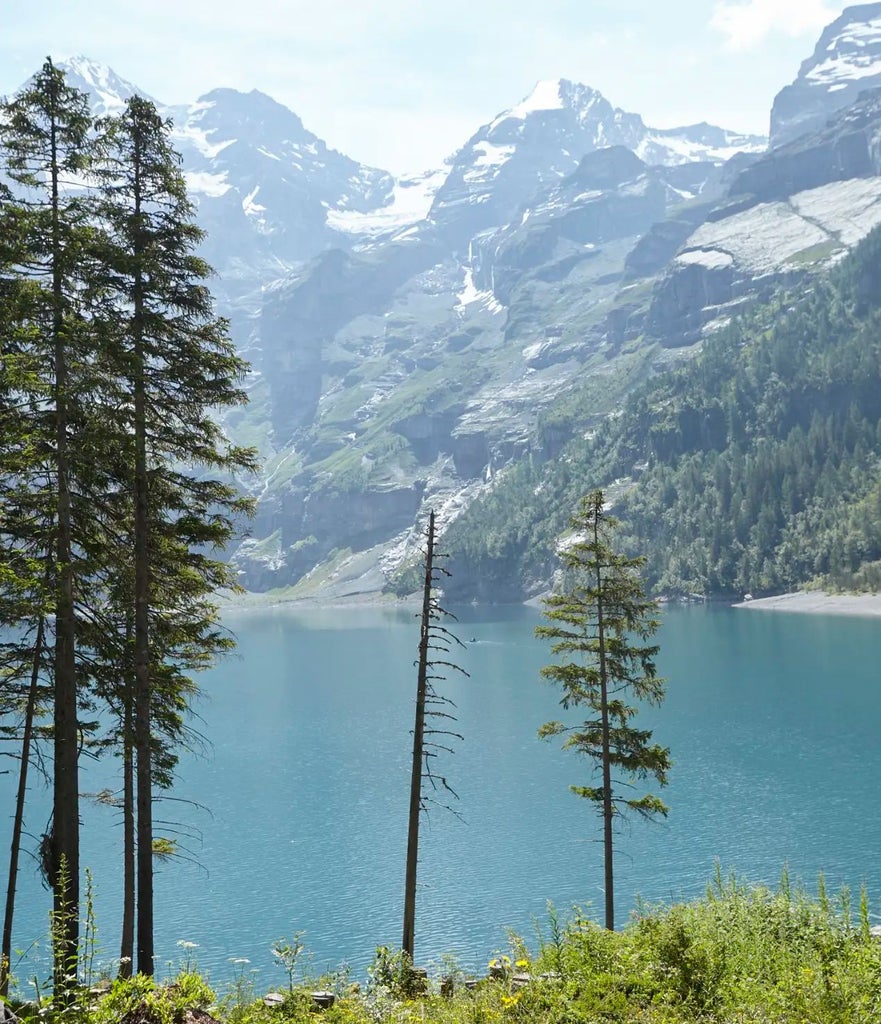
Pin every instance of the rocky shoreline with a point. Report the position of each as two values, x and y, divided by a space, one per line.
817 602
811 602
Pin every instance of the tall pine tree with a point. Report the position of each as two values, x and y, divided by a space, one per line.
173 368
46 139
118 484
601 622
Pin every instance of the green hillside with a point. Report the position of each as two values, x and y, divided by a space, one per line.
751 468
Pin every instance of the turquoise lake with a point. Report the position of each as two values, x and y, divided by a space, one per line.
773 721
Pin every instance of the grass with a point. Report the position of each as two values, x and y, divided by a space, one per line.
815 254
744 954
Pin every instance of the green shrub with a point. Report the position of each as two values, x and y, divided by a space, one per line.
144 999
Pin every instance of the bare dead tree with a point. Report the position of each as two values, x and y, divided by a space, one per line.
432 734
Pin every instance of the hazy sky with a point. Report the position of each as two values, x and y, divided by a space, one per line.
402 83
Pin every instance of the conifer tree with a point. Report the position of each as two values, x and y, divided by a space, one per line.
173 367
601 623
45 134
117 482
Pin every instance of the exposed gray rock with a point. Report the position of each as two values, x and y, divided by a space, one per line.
738 258
360 518
848 146
846 61
542 140
611 195
301 316
654 250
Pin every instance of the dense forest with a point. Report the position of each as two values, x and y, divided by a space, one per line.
751 468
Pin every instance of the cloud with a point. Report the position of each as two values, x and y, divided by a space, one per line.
747 23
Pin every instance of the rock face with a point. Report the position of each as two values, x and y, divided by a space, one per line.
848 145
264 183
542 139
740 257
846 61
800 205
302 316
612 195
412 340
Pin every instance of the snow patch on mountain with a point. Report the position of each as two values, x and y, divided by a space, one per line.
207 184
675 146
712 259
252 208
853 54
488 158
411 200
545 96
189 132
470 295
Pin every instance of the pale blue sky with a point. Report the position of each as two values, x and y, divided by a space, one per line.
402 83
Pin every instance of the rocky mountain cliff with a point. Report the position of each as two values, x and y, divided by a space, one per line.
541 140
846 61
265 187
406 372
412 341
797 209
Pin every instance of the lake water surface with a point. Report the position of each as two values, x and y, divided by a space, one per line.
773 721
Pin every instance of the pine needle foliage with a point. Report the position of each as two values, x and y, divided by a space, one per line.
118 486
601 623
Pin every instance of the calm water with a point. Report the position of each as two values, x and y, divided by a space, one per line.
773 722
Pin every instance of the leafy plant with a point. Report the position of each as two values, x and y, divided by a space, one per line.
141 998
287 954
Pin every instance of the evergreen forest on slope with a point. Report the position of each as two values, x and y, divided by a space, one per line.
752 468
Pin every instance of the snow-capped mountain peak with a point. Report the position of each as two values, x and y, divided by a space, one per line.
546 95
542 139
107 89
850 49
552 94
845 62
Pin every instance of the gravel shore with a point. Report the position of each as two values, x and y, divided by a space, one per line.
817 602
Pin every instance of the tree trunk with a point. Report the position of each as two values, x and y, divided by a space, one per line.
18 820
142 608
127 942
608 849
408 941
66 816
